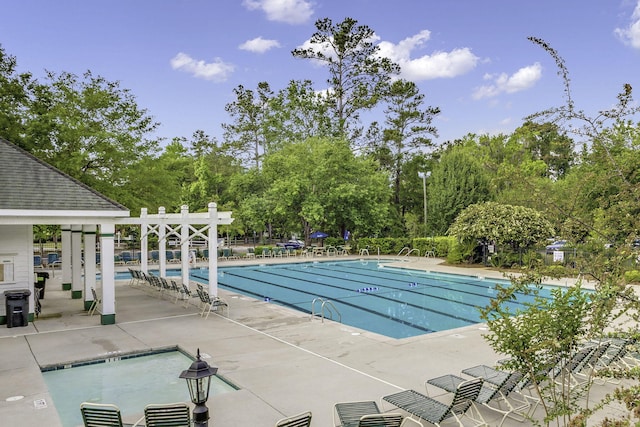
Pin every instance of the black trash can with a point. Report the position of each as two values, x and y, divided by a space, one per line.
17 307
41 282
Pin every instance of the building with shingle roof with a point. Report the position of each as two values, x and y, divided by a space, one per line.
33 192
29 184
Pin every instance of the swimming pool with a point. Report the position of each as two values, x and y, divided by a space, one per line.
124 381
370 295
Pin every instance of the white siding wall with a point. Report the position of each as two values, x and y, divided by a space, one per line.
17 241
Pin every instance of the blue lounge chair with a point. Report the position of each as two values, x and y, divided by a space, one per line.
53 260
126 257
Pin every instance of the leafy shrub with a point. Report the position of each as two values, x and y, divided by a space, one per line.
387 245
440 245
632 276
555 271
455 254
333 241
531 259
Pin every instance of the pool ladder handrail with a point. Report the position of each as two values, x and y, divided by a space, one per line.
409 251
330 309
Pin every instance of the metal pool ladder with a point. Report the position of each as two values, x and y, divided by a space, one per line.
326 308
408 251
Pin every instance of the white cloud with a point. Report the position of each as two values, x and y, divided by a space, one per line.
259 45
436 65
217 70
288 11
631 34
521 80
324 48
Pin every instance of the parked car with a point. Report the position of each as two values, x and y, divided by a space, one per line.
558 245
291 244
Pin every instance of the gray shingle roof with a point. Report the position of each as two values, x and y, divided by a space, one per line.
27 183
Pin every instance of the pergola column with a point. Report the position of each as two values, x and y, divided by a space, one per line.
76 261
66 258
144 241
107 232
162 242
89 234
213 249
184 243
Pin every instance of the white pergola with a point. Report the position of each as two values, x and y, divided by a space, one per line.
35 193
81 232
184 228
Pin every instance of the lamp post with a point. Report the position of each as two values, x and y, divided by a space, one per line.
424 176
198 378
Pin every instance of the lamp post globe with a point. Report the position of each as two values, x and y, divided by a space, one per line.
198 378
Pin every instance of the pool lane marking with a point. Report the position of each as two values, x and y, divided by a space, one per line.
344 300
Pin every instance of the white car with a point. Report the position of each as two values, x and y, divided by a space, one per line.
293 243
556 246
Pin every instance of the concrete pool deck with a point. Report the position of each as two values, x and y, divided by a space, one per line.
283 362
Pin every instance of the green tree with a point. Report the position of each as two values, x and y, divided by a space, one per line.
548 331
91 129
211 183
544 142
358 76
516 227
299 112
408 128
15 99
247 136
457 181
319 184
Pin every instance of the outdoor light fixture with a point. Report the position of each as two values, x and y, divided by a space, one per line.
424 176
198 378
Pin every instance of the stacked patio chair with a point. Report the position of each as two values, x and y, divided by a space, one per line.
364 414
266 253
210 303
186 295
566 371
500 392
100 415
435 412
166 415
94 304
299 420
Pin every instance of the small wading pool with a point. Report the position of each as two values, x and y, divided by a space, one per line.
131 382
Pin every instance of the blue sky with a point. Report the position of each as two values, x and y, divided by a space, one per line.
182 59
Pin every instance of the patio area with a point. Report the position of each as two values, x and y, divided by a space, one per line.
283 362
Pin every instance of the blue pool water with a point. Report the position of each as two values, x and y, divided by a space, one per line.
130 383
369 295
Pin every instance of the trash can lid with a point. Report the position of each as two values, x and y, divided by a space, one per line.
17 293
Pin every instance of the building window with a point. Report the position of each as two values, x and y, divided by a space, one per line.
6 269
